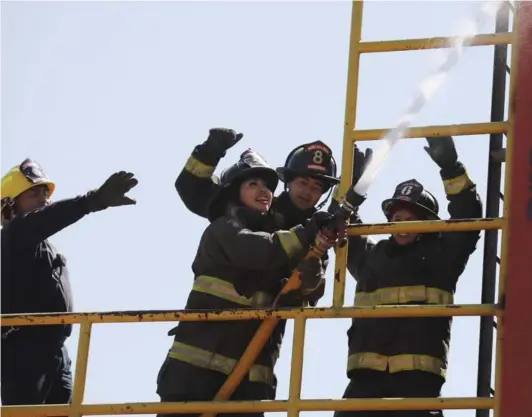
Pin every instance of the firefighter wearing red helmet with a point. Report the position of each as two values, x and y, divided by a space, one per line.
242 261
35 360
407 357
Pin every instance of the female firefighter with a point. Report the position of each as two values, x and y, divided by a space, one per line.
242 259
35 361
407 357
309 172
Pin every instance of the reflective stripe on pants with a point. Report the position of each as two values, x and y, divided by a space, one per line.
216 362
403 295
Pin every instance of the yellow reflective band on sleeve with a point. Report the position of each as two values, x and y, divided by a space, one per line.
198 168
219 288
403 295
396 363
215 362
290 242
457 185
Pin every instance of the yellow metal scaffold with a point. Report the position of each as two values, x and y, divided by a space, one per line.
295 404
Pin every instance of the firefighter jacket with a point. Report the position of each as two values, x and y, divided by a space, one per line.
237 263
34 274
196 185
425 272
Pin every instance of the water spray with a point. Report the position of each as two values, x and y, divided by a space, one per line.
427 89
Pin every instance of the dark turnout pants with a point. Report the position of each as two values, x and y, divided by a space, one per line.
180 381
366 383
35 373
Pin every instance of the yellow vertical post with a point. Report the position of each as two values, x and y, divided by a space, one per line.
347 149
296 369
81 368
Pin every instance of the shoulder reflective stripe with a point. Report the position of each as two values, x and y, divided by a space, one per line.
219 288
215 362
457 185
198 168
396 363
403 295
290 242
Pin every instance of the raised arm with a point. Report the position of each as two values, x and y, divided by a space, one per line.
461 191
35 226
358 246
196 183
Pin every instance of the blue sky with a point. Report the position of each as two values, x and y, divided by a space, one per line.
89 88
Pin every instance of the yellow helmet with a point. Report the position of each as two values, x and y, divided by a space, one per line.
21 178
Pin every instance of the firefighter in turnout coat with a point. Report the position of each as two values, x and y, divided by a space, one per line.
407 357
35 361
309 172
242 260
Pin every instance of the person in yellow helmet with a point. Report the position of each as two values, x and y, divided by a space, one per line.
35 361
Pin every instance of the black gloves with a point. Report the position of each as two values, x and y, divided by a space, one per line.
321 219
442 151
360 162
318 220
221 139
112 192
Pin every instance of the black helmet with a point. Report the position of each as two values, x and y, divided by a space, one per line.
310 160
412 193
250 165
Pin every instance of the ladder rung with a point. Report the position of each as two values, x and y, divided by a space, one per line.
501 196
498 260
494 324
503 38
492 392
432 226
436 131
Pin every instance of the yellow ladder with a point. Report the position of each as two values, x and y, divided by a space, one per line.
356 49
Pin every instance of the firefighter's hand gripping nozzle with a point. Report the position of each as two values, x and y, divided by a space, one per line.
344 211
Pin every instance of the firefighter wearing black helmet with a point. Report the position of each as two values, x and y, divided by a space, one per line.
309 172
242 261
407 357
35 279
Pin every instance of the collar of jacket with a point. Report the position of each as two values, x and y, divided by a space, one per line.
291 215
253 220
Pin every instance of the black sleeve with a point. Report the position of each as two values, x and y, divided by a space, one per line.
195 184
35 226
259 250
357 249
464 203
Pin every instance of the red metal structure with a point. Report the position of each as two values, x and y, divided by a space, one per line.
515 359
